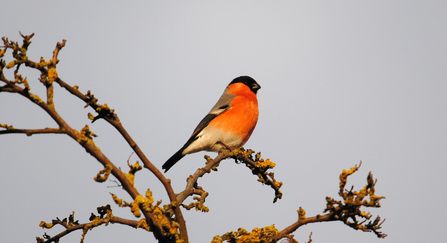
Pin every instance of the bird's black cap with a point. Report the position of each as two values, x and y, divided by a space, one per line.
249 81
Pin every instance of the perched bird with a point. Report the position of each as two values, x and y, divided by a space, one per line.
229 124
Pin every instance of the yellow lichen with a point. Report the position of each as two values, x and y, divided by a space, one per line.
103 174
265 234
11 64
217 239
52 74
149 198
247 153
25 82
301 214
265 165
45 225
35 98
131 178
117 200
102 107
86 133
95 222
164 222
344 175
7 127
143 224
135 209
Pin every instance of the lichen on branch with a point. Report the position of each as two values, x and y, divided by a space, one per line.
48 76
166 221
348 210
259 167
104 217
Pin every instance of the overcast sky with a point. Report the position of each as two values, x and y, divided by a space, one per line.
341 82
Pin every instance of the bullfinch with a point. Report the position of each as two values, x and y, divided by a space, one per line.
229 124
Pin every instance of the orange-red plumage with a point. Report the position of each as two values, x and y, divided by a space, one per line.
242 118
230 122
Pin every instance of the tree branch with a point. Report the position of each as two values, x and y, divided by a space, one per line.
347 210
156 218
111 117
105 217
257 165
192 180
84 138
29 132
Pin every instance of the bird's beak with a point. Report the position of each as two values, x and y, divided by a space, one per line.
256 87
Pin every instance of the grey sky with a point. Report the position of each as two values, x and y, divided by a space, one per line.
341 82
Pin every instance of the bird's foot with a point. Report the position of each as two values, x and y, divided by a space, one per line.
226 146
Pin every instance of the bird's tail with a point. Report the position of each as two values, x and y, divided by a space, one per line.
174 159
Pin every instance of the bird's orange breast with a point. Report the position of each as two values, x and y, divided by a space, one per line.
241 118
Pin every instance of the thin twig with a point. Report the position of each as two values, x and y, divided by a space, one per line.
30 132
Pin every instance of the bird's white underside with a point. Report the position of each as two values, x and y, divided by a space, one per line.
208 140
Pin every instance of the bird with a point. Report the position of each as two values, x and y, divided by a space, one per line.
228 125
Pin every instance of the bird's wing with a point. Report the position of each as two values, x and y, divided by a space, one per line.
222 105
